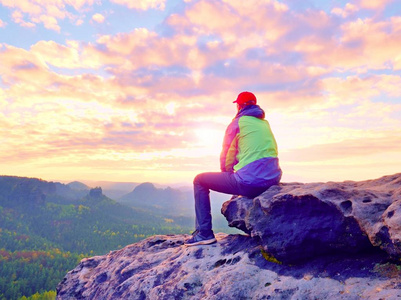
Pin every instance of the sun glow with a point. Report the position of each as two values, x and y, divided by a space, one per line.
209 140
170 108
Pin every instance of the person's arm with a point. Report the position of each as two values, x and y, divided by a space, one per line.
228 156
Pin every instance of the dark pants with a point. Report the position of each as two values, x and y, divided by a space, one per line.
223 182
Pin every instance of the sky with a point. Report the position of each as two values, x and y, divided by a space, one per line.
135 91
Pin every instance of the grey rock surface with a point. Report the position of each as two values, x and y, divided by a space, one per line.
295 221
235 267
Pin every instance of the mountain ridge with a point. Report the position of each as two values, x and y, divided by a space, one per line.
36 208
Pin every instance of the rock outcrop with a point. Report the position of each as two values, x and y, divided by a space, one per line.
302 241
235 267
295 221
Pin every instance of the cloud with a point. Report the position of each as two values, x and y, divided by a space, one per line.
99 18
49 22
374 4
79 4
228 20
75 129
18 64
357 47
18 18
352 148
29 13
60 112
2 23
61 56
213 63
142 4
194 60
354 87
349 9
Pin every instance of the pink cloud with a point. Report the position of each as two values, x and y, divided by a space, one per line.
18 64
57 131
70 125
28 13
355 87
57 55
79 4
150 53
18 18
49 22
26 73
374 4
142 48
153 64
359 47
98 18
230 19
142 4
140 59
357 147
348 10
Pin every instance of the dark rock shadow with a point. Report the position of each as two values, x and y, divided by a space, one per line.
338 266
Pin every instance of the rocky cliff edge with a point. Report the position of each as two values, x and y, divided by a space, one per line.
295 221
335 240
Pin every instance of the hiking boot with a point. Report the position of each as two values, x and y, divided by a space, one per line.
199 239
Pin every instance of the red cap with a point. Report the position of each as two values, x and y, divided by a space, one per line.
245 97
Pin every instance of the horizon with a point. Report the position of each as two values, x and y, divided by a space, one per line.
142 91
94 183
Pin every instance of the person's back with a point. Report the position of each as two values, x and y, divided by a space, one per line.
255 141
248 162
250 149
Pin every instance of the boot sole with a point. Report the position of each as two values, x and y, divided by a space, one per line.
205 242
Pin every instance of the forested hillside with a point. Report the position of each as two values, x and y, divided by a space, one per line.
47 227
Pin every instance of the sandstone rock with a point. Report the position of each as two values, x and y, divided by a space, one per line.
235 267
295 221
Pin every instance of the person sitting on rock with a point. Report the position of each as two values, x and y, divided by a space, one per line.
248 162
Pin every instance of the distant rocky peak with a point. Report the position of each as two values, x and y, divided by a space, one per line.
145 187
96 192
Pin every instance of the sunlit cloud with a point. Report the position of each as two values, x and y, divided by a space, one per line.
60 56
142 4
228 20
98 18
374 4
359 48
29 13
18 18
346 11
367 144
